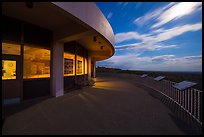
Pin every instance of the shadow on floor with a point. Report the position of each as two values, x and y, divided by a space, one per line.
9 110
182 119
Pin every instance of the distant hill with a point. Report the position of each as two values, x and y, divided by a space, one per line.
172 76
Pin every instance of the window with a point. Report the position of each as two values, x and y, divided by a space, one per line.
36 62
69 64
8 69
11 49
80 65
86 65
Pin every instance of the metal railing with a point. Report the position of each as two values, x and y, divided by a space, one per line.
189 99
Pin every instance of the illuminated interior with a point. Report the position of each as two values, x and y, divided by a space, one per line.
86 70
8 69
69 64
11 49
80 65
36 62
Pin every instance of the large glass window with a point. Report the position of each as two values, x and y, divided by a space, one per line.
80 65
69 64
36 62
11 49
8 69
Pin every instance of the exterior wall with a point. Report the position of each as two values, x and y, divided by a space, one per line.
73 82
34 88
15 31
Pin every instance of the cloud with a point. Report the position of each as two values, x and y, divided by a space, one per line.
120 3
158 30
159 63
170 12
144 47
152 15
176 31
176 11
123 4
120 37
193 57
109 15
162 57
151 41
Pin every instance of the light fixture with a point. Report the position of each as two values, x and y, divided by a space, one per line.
94 38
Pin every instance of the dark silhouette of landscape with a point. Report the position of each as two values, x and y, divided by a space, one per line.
172 76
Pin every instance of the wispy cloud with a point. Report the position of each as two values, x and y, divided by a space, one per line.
162 34
151 41
119 3
120 37
109 15
177 11
144 47
122 4
176 31
168 13
160 63
162 57
152 15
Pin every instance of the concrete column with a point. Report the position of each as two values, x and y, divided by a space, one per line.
89 68
94 69
57 68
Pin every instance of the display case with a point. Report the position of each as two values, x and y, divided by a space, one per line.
69 64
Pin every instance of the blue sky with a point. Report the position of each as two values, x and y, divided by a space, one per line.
155 36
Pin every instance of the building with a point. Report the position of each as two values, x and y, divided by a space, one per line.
50 48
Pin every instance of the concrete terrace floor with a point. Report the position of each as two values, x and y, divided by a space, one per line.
114 105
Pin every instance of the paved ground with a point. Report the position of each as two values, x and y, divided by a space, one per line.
112 106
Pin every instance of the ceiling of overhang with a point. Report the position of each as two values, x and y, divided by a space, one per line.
49 16
95 44
43 14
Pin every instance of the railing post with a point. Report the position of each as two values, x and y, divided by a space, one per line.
174 90
191 102
198 105
194 103
177 96
188 100
180 97
185 100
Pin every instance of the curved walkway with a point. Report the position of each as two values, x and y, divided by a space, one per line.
113 106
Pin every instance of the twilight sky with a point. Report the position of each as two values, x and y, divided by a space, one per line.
158 36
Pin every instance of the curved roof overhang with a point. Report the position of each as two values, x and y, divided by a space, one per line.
70 21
